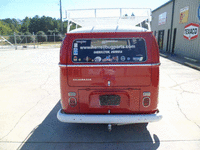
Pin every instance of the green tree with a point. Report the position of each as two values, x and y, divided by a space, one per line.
56 24
5 29
25 25
41 36
50 35
46 24
35 25
65 23
59 37
28 38
17 36
13 24
43 24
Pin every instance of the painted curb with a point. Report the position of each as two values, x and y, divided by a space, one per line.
192 65
163 55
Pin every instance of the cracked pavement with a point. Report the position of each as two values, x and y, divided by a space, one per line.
186 81
29 101
29 82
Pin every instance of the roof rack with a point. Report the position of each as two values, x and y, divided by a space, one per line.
108 17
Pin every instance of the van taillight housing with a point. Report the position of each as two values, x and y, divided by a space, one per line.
146 101
72 101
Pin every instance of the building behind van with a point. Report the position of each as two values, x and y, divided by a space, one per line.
175 25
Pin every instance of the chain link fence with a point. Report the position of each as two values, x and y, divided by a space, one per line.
19 42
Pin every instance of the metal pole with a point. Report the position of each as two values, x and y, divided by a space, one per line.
54 37
172 22
61 24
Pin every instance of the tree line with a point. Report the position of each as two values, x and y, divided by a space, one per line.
41 26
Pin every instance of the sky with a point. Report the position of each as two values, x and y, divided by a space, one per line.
19 9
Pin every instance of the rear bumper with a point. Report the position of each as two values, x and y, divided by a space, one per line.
108 118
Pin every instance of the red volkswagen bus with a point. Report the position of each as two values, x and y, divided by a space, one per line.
109 76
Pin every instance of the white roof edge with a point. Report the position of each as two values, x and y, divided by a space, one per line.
97 29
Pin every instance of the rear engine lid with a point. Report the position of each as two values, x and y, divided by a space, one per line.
104 76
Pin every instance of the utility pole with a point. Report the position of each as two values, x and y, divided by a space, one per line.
61 23
170 49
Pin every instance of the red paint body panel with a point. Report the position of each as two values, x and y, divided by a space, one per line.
129 101
127 80
118 76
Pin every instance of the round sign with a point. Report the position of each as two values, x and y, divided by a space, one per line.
123 58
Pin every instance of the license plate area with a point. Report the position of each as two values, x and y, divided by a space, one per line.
109 100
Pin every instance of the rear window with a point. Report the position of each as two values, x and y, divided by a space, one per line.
109 50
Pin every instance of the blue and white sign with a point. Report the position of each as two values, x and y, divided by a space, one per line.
75 51
198 12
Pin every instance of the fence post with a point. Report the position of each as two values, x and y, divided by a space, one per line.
54 37
15 41
26 39
34 40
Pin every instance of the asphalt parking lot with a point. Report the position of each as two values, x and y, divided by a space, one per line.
29 101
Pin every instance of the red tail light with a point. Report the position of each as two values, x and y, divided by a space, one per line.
146 101
72 101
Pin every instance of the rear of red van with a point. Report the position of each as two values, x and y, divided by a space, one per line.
109 78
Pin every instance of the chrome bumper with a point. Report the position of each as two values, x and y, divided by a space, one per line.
108 118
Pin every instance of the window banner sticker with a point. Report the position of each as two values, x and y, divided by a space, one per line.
191 31
75 51
109 50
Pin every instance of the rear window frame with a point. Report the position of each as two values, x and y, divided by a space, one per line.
121 62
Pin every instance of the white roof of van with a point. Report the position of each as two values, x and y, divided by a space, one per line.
97 29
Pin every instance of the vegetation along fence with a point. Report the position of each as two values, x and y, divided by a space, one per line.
40 40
